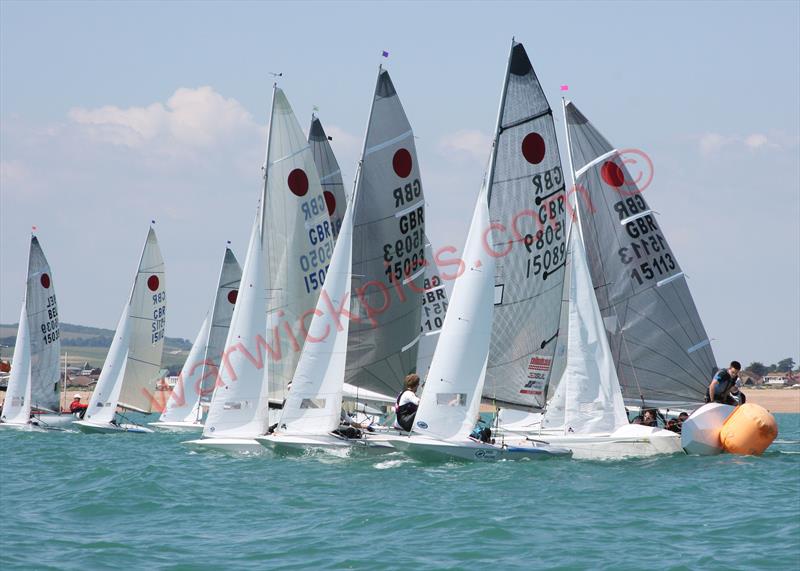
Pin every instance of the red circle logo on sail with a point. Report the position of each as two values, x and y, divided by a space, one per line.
45 281
232 295
533 148
402 163
330 202
152 283
298 182
612 174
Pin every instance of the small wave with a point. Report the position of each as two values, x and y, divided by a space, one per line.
389 464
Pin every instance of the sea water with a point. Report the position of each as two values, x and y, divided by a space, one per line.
144 501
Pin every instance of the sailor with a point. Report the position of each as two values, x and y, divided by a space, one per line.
719 389
481 431
736 395
407 404
649 418
76 406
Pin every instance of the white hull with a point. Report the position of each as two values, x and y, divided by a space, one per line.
27 426
227 445
302 442
177 426
425 448
108 428
630 441
700 432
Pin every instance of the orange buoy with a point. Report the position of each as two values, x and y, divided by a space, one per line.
749 430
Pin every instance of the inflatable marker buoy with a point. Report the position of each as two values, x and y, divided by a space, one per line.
700 432
748 431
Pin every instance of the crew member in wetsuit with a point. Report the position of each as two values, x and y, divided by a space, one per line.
407 403
719 390
76 406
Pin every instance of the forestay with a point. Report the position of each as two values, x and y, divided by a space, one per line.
388 249
588 397
199 372
314 403
298 240
451 398
330 176
527 208
45 350
662 353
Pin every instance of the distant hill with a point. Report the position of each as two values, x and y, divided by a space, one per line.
83 336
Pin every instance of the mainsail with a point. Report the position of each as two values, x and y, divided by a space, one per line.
388 251
298 240
45 351
199 373
134 360
330 176
527 209
662 353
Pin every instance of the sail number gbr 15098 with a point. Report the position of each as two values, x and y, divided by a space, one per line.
403 257
50 329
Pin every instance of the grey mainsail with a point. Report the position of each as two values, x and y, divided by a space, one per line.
527 209
662 353
330 175
42 311
388 250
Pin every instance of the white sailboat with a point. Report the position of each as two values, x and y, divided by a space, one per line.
134 359
33 385
451 398
312 410
287 260
184 409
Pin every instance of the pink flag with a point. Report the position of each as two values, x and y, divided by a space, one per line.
565 87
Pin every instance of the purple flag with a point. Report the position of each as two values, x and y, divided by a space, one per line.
385 54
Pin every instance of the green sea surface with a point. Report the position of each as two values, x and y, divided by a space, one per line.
132 501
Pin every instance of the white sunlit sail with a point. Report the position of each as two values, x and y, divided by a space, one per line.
17 404
132 366
184 409
388 250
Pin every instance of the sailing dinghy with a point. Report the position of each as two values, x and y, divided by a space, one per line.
286 264
133 362
33 384
458 376
184 409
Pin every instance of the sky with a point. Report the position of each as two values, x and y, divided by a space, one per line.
114 114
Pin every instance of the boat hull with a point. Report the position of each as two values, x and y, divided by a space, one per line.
176 426
300 443
424 448
56 420
108 428
630 441
700 432
226 445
